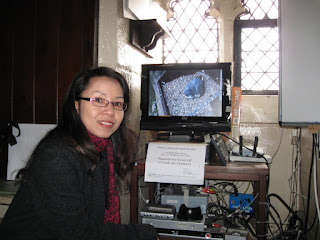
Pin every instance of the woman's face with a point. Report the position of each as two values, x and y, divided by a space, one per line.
101 121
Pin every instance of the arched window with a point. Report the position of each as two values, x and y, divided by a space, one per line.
194 33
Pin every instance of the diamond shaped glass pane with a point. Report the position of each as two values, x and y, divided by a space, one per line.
193 31
260 58
261 9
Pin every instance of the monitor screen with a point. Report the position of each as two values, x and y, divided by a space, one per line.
186 96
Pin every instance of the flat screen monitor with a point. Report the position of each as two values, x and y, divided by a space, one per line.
186 97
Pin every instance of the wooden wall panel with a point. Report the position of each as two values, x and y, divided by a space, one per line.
23 61
70 49
6 76
44 44
5 62
90 35
46 70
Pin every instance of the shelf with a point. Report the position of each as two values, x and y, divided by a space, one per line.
144 34
257 173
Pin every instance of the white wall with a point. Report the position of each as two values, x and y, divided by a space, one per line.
114 51
259 114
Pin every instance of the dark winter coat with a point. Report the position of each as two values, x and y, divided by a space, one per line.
61 201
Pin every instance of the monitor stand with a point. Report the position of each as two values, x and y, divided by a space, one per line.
181 136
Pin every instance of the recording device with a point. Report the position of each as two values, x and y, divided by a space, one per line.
177 200
158 211
181 208
189 222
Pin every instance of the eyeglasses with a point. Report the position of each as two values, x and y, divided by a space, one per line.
101 102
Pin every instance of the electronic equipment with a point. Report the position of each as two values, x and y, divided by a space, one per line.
193 201
176 224
220 148
161 211
207 236
264 159
236 234
191 235
250 153
201 227
178 228
177 234
186 97
241 201
246 151
187 213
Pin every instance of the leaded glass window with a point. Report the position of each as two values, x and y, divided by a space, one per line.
194 33
257 48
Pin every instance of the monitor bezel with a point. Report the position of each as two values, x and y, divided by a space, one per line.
183 123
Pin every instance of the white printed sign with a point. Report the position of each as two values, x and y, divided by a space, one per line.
179 163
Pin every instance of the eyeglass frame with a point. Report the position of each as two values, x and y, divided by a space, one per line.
124 105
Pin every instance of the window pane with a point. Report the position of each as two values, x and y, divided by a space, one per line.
195 34
261 9
260 58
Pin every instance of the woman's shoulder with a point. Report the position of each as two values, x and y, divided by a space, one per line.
56 148
54 141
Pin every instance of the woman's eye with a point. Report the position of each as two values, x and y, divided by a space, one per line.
98 100
118 104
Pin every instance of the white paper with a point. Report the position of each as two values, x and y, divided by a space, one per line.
19 153
179 163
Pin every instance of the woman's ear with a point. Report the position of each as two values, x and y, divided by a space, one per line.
76 106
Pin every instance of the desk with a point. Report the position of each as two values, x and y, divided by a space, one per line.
256 173
7 191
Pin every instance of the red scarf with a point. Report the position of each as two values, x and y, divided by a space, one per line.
111 214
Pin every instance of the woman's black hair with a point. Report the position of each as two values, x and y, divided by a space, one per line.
71 126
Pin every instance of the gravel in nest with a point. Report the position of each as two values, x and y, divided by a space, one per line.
179 105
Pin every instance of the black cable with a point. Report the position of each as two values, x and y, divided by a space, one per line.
309 186
287 206
317 229
225 185
315 216
245 222
313 222
315 238
222 205
270 230
300 181
293 230
273 218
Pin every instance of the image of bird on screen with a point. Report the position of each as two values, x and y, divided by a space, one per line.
186 93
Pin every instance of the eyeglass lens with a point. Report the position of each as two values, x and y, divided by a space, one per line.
101 102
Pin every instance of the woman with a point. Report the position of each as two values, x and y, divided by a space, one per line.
68 188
